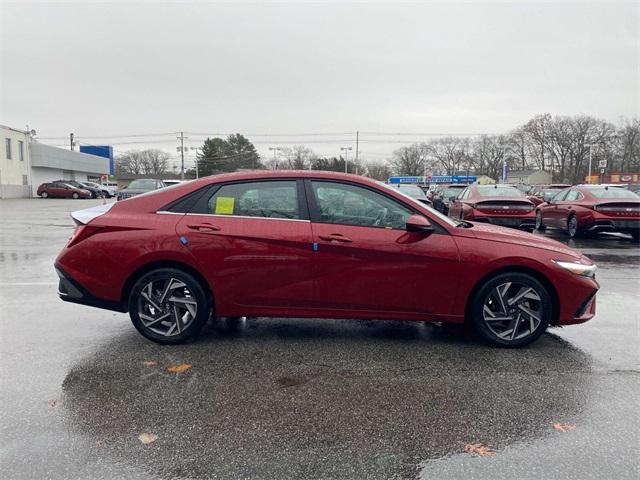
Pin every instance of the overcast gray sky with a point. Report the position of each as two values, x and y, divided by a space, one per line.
118 68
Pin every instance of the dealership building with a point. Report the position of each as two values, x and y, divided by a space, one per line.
25 164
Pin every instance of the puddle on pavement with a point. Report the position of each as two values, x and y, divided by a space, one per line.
304 398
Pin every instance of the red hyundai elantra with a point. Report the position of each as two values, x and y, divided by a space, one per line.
315 244
497 204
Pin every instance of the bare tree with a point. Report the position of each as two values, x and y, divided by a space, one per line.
143 162
378 170
628 145
409 160
297 157
538 131
450 153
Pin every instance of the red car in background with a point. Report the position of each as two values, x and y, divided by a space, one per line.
318 245
586 209
543 193
496 204
62 190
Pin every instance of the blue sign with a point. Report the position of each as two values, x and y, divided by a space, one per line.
105 151
435 179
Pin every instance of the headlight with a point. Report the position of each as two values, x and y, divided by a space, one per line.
578 268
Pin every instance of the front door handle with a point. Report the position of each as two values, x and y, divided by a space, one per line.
203 227
335 237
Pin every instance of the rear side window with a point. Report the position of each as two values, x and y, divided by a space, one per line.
276 199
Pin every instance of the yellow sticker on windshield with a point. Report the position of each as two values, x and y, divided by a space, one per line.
224 205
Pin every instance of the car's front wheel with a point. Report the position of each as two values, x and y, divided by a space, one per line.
44 195
168 306
75 196
511 310
573 228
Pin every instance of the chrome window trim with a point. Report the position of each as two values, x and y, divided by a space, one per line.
244 216
164 212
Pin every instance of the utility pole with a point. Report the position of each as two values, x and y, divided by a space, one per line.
590 159
345 150
357 147
71 142
275 158
181 138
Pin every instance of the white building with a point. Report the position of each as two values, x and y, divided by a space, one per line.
51 163
15 163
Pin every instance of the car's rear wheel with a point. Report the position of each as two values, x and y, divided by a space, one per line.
75 196
168 306
539 224
44 195
511 310
573 228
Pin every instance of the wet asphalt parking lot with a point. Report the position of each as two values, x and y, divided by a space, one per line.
296 399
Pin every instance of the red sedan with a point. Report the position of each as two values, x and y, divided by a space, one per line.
315 244
496 204
62 190
586 209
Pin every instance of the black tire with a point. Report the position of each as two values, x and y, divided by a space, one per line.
162 332
44 195
573 227
75 196
540 226
490 330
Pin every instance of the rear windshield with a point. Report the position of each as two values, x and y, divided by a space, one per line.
614 192
499 191
452 192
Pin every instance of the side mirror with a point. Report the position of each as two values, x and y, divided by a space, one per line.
419 224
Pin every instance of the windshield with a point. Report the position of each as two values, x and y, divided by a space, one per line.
143 184
499 191
452 192
614 192
432 211
412 190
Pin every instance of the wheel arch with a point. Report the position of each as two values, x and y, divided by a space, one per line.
555 299
156 264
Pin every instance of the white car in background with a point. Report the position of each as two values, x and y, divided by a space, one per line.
111 187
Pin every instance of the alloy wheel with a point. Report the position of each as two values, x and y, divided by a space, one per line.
167 306
513 311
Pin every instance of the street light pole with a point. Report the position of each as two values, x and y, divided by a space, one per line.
345 150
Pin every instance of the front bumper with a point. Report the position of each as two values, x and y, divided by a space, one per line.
71 291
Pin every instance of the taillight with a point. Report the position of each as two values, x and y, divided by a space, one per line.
81 233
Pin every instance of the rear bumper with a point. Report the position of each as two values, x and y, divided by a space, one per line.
70 290
528 222
611 225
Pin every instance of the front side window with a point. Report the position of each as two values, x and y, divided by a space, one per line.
560 196
351 205
572 196
277 199
7 146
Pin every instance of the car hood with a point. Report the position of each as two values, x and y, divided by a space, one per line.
495 233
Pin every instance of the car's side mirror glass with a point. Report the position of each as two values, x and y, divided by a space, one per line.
419 224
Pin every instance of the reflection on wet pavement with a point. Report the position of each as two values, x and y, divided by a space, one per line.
282 397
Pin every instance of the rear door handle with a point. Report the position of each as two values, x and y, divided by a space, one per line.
203 227
335 237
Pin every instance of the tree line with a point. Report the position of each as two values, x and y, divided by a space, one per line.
558 144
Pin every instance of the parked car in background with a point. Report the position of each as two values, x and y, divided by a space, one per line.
413 191
586 209
496 204
95 192
104 192
62 190
634 187
317 245
444 195
542 193
111 187
138 187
